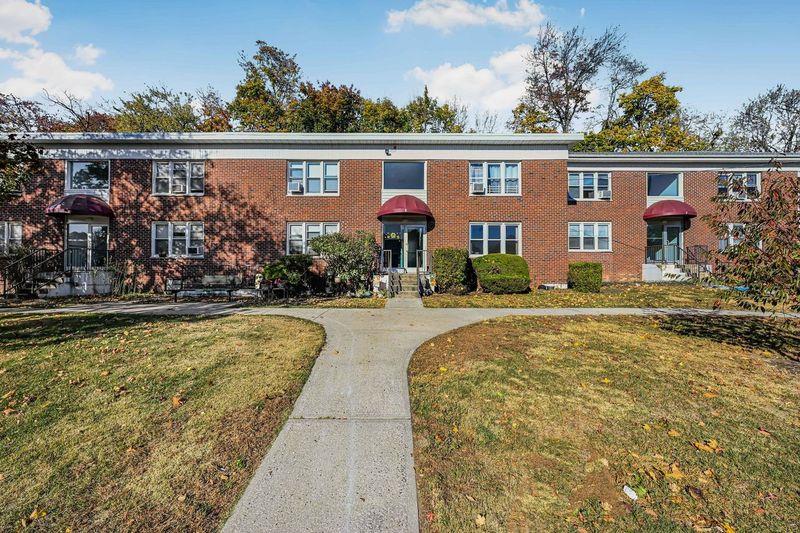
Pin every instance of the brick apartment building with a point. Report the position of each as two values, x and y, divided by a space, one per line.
162 201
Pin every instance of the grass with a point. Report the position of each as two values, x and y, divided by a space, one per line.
151 298
537 424
681 295
118 423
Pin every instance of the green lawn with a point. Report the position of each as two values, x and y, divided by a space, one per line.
673 295
537 424
115 423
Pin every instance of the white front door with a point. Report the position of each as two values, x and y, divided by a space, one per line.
414 241
87 245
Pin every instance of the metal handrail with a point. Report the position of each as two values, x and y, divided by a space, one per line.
386 259
421 260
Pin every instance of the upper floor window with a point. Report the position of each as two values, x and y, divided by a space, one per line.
407 175
313 177
179 177
10 236
666 184
88 175
494 238
589 236
739 185
178 239
299 234
590 185
494 178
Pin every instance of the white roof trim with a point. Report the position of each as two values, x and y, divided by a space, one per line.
682 157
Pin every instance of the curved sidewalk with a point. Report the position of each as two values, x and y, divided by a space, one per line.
344 459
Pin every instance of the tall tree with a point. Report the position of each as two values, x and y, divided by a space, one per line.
624 73
214 113
77 115
19 115
156 109
325 109
426 115
527 118
563 68
650 121
770 122
19 160
271 83
382 116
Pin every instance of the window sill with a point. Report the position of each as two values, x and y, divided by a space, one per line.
313 194
591 251
607 200
177 195
178 257
653 199
501 194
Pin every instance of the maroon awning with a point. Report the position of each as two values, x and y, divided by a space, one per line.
405 204
669 208
80 204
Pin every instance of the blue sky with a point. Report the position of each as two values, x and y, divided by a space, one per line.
721 52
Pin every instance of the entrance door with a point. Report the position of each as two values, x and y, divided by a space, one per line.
87 245
400 245
413 236
664 242
672 242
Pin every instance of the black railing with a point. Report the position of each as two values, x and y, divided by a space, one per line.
664 254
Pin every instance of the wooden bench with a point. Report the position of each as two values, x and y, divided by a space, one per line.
225 283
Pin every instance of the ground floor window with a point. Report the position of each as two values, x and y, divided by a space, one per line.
10 236
494 238
590 236
735 236
300 233
178 239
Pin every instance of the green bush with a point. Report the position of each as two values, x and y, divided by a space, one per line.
585 277
452 269
349 258
502 273
293 270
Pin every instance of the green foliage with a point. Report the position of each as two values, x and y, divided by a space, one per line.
326 109
651 121
426 115
502 273
382 116
528 118
350 258
156 109
452 269
293 270
585 276
19 161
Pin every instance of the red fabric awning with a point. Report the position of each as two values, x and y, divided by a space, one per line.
405 204
80 204
669 208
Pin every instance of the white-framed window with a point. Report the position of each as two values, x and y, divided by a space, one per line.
749 188
735 236
590 185
10 236
496 178
313 178
665 184
299 234
88 175
589 237
178 239
495 238
178 178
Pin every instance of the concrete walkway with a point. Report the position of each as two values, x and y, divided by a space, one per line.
344 461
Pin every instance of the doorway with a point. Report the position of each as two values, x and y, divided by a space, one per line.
400 245
665 241
87 246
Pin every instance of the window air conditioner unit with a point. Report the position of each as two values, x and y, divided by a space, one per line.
195 250
604 195
178 188
295 186
476 188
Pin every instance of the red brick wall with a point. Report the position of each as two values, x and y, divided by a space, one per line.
245 210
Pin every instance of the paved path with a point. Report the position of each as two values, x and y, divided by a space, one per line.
343 461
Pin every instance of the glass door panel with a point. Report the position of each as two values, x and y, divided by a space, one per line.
77 252
672 243
413 235
98 253
393 242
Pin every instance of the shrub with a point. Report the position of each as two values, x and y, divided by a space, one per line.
293 270
452 269
585 277
502 273
350 258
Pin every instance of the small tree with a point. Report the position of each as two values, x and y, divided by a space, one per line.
291 270
759 255
350 258
19 160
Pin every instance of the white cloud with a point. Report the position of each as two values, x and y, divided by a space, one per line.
21 20
40 70
496 88
445 15
583 12
88 53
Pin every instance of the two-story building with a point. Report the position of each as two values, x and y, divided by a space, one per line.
158 201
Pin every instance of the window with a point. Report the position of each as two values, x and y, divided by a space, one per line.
588 185
10 236
739 185
314 177
87 175
735 236
299 234
178 177
494 238
664 184
590 236
497 178
178 239
404 175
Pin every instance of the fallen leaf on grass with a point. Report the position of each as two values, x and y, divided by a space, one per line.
480 520
177 401
764 432
674 433
646 427
710 446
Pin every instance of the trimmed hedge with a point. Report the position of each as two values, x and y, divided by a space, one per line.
585 276
502 273
452 269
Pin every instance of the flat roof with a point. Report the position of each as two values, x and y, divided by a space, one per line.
671 157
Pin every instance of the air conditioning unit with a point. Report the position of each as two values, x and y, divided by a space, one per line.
604 195
476 188
295 187
178 188
195 250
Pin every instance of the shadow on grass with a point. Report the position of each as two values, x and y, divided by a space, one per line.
780 336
